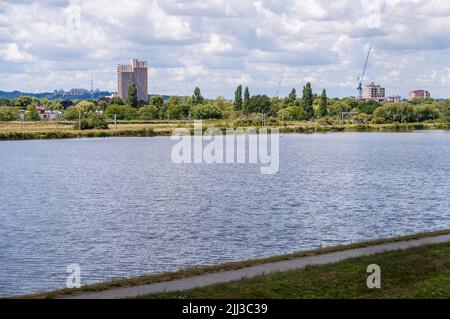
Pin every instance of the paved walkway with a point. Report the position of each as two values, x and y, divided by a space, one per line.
256 271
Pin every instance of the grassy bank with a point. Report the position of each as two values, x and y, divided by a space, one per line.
414 273
130 282
65 130
74 134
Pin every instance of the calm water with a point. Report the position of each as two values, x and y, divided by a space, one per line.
119 207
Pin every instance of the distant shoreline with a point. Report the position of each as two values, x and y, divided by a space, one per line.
139 131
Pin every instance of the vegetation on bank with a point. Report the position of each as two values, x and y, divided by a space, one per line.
70 130
309 113
75 134
245 108
130 282
422 272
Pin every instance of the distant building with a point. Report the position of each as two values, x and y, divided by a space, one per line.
51 115
394 99
374 92
134 73
78 92
45 115
419 94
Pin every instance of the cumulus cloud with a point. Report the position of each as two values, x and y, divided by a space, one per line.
217 44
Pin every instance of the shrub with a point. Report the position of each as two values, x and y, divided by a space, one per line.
126 112
94 121
206 111
8 114
148 112
32 115
71 114
116 101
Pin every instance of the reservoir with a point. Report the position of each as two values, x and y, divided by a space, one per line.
120 207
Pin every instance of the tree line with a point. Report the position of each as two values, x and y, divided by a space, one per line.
244 107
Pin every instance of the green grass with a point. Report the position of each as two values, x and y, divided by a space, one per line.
155 278
415 273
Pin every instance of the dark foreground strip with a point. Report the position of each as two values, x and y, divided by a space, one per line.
222 308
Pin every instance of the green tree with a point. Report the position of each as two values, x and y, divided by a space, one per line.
426 112
133 100
86 108
4 102
308 100
8 114
246 100
54 105
238 102
72 114
206 111
32 114
367 107
102 105
93 121
116 101
259 104
292 96
294 113
395 112
123 112
445 109
323 106
23 102
158 101
197 98
173 100
148 112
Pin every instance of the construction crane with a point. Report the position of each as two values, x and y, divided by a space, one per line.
361 78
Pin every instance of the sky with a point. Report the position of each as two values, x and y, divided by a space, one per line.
270 45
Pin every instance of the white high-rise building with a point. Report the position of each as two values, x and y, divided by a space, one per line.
373 92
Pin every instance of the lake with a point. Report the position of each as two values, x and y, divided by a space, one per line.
119 207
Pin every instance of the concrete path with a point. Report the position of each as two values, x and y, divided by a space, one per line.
256 271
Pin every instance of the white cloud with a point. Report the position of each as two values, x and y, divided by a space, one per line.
217 44
12 53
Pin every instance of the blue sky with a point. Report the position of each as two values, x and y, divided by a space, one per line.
217 44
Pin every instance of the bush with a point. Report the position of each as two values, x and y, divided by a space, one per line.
71 114
126 112
293 113
116 101
8 114
325 121
378 120
206 111
148 112
32 115
23 102
396 112
94 121
426 112
86 107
